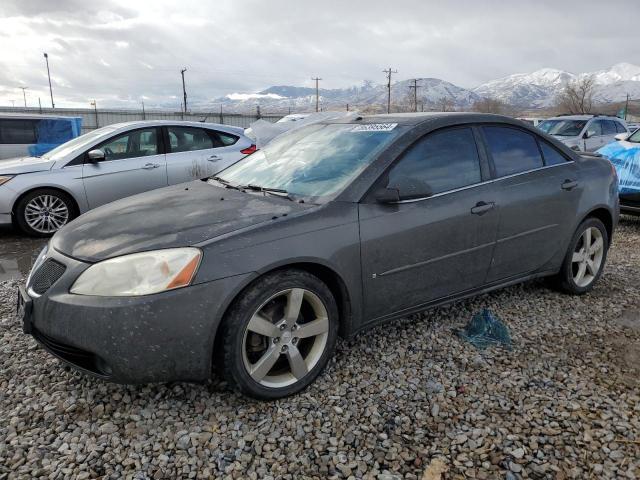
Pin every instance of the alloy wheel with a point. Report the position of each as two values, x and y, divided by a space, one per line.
587 257
46 213
285 338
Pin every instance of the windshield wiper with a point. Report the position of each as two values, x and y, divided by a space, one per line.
226 183
279 192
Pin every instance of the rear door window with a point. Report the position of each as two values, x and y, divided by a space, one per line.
620 128
18 132
513 151
609 127
189 139
443 160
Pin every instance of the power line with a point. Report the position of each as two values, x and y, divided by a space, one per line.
389 72
415 88
317 92
184 90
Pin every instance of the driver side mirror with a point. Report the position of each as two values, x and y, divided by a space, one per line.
96 155
588 134
403 188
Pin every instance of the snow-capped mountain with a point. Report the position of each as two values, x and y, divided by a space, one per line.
432 93
538 89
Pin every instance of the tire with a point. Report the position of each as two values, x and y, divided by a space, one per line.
262 365
568 279
61 210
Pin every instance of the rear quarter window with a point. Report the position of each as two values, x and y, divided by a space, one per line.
512 150
551 155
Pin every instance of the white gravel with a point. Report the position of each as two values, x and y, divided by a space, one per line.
564 403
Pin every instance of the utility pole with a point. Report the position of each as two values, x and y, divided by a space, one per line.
24 96
95 109
347 107
317 92
184 90
626 107
415 87
389 72
144 114
46 57
39 105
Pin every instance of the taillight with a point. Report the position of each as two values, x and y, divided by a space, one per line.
249 150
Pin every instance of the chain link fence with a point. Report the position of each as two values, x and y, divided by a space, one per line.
92 118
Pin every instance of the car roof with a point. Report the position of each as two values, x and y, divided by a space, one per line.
179 123
583 117
421 117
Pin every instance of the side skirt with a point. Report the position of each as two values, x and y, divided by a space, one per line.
450 299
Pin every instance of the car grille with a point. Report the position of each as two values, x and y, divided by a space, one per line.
47 275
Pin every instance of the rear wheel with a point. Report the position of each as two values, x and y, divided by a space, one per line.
279 335
42 212
585 259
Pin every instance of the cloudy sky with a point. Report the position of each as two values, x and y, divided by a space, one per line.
120 52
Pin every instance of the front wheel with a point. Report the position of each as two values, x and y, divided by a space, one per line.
42 212
585 259
279 335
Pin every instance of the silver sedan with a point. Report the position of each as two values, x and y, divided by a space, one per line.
42 194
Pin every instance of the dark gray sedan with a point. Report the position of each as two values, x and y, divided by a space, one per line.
330 229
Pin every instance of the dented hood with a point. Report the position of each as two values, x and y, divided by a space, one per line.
176 216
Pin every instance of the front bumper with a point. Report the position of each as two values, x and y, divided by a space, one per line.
155 338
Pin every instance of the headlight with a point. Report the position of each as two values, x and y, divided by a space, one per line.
139 273
5 178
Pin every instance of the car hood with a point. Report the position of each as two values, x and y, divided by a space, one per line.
25 165
175 216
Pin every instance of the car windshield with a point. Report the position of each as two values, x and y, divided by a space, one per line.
315 161
634 137
563 128
78 143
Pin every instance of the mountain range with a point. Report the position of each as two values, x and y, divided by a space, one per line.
522 90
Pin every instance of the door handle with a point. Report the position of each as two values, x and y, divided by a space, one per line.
150 166
214 158
482 207
569 184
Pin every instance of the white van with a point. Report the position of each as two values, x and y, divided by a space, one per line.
23 135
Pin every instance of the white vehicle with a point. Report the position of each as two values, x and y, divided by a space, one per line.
535 121
586 133
40 195
27 135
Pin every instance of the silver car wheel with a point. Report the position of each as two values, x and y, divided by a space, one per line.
285 338
46 213
587 257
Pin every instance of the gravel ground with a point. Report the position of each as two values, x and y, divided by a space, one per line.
407 400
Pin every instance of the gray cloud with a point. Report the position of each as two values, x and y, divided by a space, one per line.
118 51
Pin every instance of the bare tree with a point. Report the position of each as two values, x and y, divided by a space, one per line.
490 105
445 104
577 95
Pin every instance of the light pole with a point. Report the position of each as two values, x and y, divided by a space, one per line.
46 58
24 96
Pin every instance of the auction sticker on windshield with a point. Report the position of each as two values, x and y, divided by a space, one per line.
375 127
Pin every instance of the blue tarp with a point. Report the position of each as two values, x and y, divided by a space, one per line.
625 157
51 132
486 329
